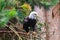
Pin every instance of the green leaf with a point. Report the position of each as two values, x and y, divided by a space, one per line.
12 13
21 15
54 2
8 14
3 21
2 4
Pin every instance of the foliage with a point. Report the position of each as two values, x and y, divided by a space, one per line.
26 6
22 13
3 21
51 2
10 3
45 3
11 13
7 15
2 4
39 26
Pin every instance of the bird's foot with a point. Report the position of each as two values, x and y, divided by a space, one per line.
34 34
28 33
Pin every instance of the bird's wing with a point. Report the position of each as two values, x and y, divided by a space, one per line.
26 19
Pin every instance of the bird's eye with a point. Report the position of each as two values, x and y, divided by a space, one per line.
34 14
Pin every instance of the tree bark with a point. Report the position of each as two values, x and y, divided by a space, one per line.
53 30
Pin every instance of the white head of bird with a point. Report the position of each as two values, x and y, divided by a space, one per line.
33 15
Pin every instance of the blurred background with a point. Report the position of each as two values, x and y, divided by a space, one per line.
12 13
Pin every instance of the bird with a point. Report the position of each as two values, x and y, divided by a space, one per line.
30 21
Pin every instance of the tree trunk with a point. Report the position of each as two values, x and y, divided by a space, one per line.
52 17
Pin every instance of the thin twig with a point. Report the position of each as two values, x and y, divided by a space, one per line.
11 27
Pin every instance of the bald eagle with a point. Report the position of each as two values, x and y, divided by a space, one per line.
30 21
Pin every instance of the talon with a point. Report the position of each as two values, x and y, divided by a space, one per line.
35 34
28 33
